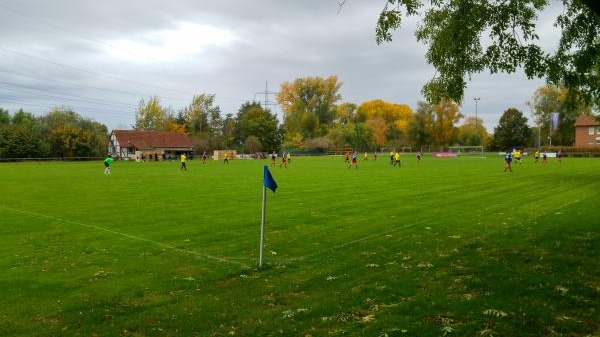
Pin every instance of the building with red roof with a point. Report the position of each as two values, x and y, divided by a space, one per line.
139 145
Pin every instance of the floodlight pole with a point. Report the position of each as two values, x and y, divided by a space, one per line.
476 130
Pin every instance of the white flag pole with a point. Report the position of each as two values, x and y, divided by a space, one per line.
262 227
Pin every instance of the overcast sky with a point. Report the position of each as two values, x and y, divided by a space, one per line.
101 58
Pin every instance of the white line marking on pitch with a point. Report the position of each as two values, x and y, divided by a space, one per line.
137 238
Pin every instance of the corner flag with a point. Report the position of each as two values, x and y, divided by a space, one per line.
268 180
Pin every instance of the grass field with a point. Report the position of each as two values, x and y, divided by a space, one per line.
446 247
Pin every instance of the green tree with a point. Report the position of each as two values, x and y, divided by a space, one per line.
253 120
512 131
420 127
22 137
150 115
4 117
465 37
358 135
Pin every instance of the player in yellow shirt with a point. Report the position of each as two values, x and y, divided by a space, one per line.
183 159
517 155
397 159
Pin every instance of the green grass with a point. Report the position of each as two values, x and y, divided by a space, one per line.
446 247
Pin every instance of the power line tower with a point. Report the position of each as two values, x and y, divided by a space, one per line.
266 94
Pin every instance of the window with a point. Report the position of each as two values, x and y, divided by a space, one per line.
591 130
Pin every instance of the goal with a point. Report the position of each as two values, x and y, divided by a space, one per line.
468 151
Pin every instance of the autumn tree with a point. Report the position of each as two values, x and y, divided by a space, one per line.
71 135
309 105
345 113
512 131
199 114
465 37
228 132
388 120
150 115
445 116
472 132
551 99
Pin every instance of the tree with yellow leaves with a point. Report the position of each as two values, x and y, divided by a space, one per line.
446 114
309 105
388 120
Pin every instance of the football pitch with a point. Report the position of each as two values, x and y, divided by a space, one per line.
444 247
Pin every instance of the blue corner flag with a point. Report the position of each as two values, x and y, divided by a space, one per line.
268 180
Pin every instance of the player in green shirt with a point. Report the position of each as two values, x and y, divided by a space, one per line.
107 162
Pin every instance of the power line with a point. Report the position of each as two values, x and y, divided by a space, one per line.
79 98
88 71
72 107
137 94
70 31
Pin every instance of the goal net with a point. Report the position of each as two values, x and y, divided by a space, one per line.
468 151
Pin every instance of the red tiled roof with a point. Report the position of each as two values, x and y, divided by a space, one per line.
144 140
586 121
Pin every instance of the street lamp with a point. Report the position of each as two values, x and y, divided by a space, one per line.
476 130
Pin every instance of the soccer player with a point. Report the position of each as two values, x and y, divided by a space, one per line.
419 155
517 156
204 157
374 155
226 159
508 161
283 160
559 156
536 155
354 161
273 158
366 156
544 157
347 157
288 157
183 159
397 159
107 163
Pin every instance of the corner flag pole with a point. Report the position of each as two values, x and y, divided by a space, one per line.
268 182
262 226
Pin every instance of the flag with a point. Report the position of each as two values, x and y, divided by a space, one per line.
268 180
554 117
